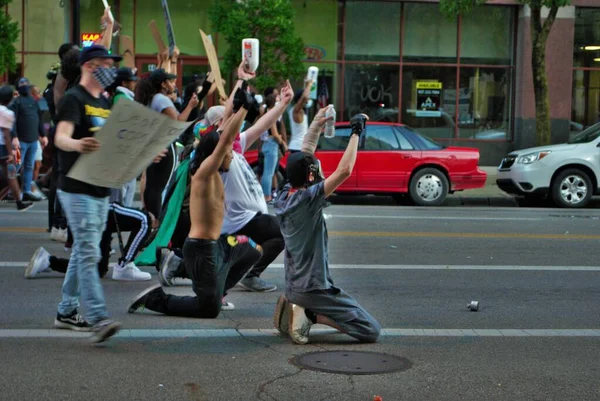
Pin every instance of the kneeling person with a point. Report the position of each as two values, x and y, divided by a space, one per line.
310 294
202 251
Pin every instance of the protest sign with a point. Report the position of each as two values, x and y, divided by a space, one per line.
129 140
213 60
170 34
127 51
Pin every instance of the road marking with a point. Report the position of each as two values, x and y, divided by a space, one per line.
395 234
399 217
407 267
23 230
390 332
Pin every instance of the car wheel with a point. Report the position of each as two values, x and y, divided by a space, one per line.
572 188
428 187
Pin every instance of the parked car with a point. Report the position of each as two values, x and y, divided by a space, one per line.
568 173
393 160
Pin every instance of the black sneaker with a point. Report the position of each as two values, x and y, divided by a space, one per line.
139 301
74 322
22 206
105 329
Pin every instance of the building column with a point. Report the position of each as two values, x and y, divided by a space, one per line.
559 67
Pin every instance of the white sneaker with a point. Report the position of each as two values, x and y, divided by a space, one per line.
227 305
63 235
129 272
299 325
39 263
54 234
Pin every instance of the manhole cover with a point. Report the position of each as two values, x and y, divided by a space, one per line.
352 362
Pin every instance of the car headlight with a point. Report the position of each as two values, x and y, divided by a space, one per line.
532 157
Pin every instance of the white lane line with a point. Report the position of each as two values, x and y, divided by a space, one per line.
412 267
400 217
389 332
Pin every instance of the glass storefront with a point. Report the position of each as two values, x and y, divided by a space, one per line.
586 69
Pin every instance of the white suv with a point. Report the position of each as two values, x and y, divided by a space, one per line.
568 173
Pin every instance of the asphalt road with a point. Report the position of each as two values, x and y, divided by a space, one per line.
535 337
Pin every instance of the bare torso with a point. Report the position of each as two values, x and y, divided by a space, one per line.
207 199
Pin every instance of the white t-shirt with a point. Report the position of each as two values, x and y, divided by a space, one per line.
243 194
7 120
299 130
161 102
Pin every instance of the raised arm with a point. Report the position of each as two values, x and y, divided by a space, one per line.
298 107
346 165
242 101
309 144
108 22
270 117
243 76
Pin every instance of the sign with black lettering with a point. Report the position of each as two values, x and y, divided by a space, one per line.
170 34
429 96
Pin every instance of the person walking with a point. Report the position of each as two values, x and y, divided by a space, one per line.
81 113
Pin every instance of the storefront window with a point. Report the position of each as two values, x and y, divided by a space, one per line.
371 89
317 23
484 103
428 36
486 36
429 100
373 30
587 38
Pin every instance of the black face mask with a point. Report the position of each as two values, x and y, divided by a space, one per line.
24 90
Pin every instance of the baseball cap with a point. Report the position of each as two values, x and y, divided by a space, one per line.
6 94
214 115
159 76
22 81
96 51
125 74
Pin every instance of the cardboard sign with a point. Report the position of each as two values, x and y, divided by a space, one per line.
170 34
429 97
213 60
129 140
127 51
156 36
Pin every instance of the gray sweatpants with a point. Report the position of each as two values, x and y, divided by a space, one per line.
339 306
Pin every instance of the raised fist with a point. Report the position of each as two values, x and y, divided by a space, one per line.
358 123
242 99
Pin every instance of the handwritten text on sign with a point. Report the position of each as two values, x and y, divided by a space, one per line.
132 136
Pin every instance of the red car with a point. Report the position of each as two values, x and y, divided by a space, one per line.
393 159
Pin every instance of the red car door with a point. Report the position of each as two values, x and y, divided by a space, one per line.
385 160
330 152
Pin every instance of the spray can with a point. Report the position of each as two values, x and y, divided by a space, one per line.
313 74
251 53
330 124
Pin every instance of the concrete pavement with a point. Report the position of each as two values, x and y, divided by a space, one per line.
536 336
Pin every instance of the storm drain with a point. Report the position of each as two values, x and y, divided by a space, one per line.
352 362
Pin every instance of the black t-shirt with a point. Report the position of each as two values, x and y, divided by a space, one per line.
88 114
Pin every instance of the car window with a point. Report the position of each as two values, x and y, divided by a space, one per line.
338 142
404 143
381 137
421 141
588 135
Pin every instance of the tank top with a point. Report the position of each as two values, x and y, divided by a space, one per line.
299 130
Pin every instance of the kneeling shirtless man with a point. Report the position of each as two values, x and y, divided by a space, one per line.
203 249
310 295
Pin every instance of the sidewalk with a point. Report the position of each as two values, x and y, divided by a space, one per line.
490 195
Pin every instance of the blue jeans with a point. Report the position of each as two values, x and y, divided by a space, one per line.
271 151
28 150
87 220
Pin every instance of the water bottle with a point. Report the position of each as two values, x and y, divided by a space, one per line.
330 124
250 53
312 75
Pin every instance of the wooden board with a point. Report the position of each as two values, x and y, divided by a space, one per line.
156 35
213 60
127 51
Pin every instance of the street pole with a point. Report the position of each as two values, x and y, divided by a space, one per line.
76 15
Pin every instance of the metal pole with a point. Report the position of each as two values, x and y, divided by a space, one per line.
76 21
